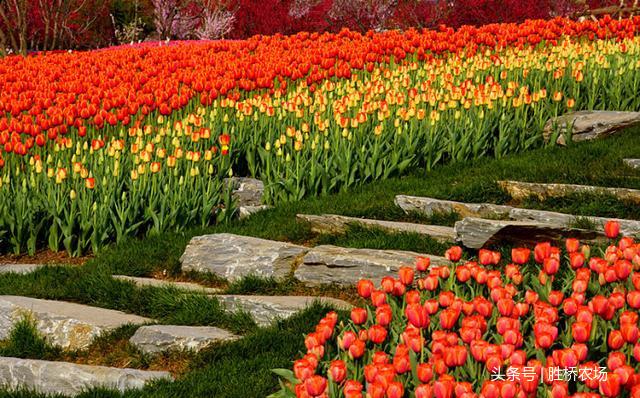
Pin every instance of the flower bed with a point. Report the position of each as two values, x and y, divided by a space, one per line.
549 323
104 145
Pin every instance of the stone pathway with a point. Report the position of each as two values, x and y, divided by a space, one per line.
154 339
151 282
67 325
590 125
345 266
523 190
266 309
633 163
65 378
331 224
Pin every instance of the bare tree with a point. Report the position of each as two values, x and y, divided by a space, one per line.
13 25
65 21
217 20
365 14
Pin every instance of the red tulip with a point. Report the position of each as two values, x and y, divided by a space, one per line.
338 371
610 387
406 275
572 245
551 265
615 340
359 315
347 339
615 360
448 318
316 385
302 369
387 284
377 334
423 264
576 260
356 350
442 389
395 390
520 255
417 315
424 372
401 364
542 251
612 229
378 298
365 287
424 391
454 254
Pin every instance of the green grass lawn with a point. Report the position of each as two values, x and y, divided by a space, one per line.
241 368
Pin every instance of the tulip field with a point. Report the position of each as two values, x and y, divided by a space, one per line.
103 145
545 323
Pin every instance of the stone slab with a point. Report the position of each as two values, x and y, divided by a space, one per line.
627 227
266 309
234 256
67 325
476 233
70 379
192 287
522 190
431 206
328 264
20 268
633 163
331 223
589 125
154 339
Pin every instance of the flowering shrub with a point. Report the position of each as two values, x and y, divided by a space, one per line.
486 328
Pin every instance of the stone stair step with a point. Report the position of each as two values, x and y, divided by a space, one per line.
633 163
328 264
67 325
189 286
627 227
522 190
476 233
20 268
235 256
153 339
47 377
431 206
590 125
266 309
331 223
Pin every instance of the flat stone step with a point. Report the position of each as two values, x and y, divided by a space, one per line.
328 264
67 325
633 163
331 223
627 227
523 190
589 125
234 256
70 379
154 339
20 268
431 206
266 309
189 286
476 233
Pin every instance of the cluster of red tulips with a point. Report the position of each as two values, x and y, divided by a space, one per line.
44 96
483 329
